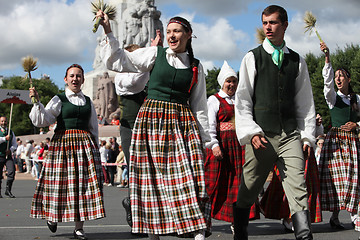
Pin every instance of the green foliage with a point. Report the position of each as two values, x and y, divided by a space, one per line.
21 124
212 85
348 58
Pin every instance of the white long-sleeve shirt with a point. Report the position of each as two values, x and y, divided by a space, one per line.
20 149
329 90
129 83
13 144
143 60
246 127
41 116
213 109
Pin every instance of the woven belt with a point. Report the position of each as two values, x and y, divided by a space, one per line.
226 126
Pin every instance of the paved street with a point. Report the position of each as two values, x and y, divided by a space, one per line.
15 223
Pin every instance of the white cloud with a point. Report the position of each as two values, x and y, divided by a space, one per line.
217 42
211 7
59 32
335 34
52 31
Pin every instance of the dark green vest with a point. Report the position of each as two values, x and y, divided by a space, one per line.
274 92
72 116
129 108
3 146
342 113
168 83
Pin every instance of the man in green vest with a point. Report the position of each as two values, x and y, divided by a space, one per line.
7 146
275 119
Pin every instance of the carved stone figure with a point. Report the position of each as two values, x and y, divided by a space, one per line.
106 98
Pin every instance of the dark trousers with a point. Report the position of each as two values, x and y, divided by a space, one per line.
20 163
10 168
125 136
112 171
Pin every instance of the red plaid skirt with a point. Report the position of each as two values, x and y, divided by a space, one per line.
167 185
274 203
70 184
339 172
223 177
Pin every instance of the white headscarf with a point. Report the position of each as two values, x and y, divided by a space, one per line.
225 72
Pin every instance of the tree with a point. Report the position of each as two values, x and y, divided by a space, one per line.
212 85
21 124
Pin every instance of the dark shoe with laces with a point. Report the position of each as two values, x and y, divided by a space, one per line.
79 234
9 194
127 205
52 226
336 224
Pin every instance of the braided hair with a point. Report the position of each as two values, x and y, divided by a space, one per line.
353 98
187 26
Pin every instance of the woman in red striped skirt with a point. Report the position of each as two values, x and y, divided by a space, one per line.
224 161
70 185
339 158
167 155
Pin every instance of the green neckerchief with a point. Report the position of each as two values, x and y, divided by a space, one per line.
278 54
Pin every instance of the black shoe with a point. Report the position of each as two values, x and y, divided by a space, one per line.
127 205
9 194
287 226
79 234
52 226
336 224
8 189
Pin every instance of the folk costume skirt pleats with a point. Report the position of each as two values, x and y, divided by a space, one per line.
339 172
70 184
167 186
223 176
274 203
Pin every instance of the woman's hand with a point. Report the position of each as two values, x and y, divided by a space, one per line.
325 49
34 93
104 21
217 153
157 41
349 126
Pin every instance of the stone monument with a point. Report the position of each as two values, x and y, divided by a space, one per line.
136 22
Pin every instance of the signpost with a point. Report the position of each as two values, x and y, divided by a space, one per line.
14 96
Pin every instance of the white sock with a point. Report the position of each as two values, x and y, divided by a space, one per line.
354 217
200 235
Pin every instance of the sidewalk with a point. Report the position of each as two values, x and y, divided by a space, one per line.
21 176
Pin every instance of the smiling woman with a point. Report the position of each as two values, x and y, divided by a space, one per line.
166 153
73 157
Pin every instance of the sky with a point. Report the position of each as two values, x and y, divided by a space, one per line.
59 32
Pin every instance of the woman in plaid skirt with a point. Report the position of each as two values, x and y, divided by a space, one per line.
339 158
70 185
224 161
167 185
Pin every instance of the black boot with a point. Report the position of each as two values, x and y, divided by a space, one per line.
302 225
8 190
127 205
241 222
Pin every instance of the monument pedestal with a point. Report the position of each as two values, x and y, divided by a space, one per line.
90 86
